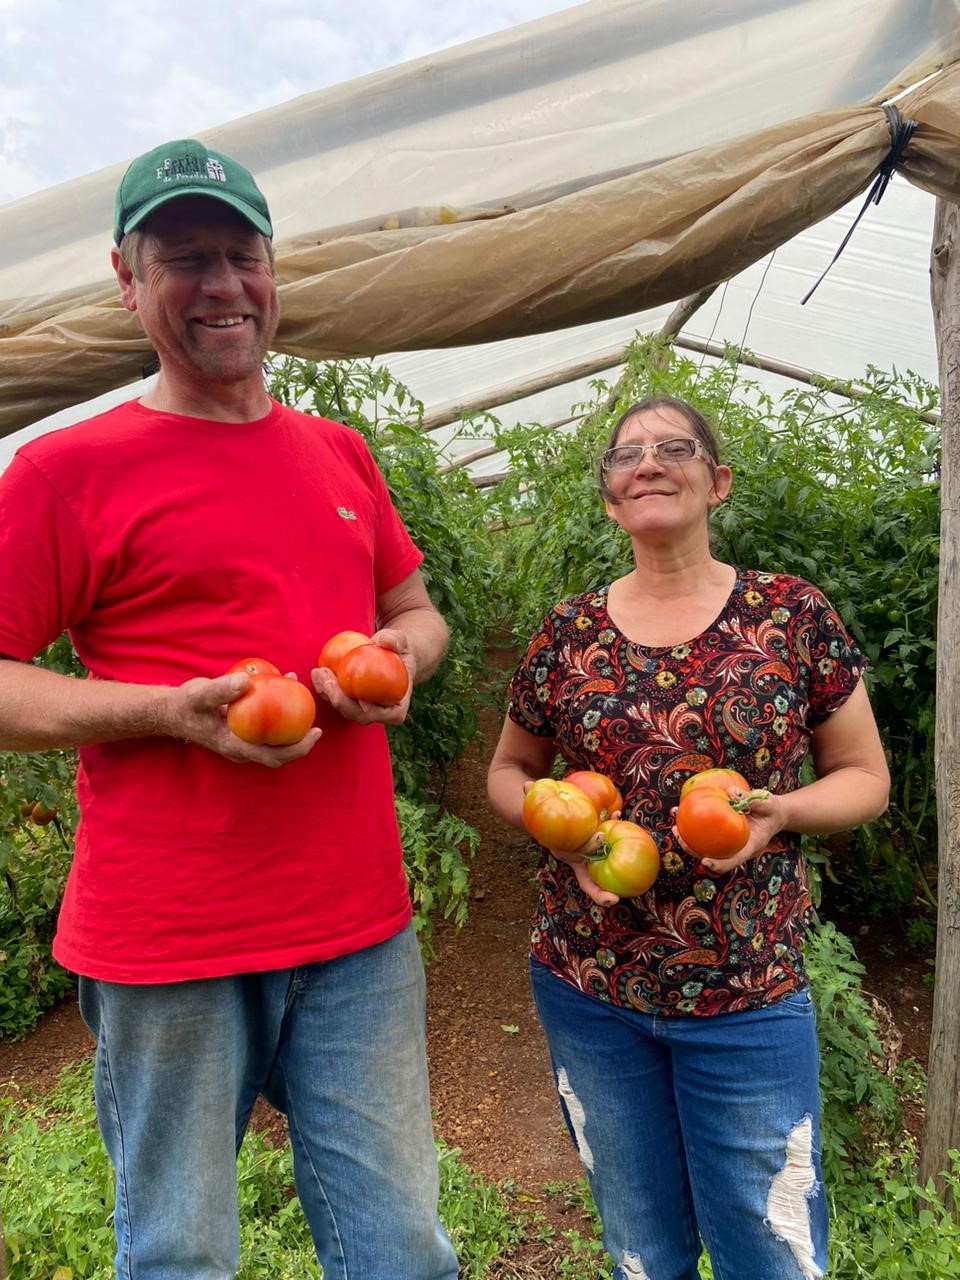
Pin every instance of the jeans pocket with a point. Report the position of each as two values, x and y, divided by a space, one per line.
800 1002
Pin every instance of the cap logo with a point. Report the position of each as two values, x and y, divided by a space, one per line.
192 167
186 168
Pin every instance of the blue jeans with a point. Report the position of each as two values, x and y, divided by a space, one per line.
339 1047
694 1127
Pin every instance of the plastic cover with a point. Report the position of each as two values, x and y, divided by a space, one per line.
610 158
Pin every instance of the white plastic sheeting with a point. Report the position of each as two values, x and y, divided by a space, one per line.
604 89
594 90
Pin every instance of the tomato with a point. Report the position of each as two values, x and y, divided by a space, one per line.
709 825
42 813
274 711
607 800
337 648
725 779
373 673
628 861
559 816
255 667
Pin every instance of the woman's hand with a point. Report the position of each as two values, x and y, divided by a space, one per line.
766 819
578 861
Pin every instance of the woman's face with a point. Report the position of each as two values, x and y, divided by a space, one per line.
658 496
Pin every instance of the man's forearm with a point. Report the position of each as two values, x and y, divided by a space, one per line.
41 710
426 634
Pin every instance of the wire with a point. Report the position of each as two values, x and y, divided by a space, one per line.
743 340
716 321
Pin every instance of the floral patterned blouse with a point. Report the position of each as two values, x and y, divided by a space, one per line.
746 694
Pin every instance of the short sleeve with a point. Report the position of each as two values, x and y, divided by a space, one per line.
395 555
834 661
45 577
531 697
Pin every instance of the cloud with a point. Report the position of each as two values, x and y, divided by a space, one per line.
80 92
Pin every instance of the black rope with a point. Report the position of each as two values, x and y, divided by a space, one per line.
901 131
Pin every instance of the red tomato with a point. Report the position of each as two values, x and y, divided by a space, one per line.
726 779
42 813
628 861
559 816
274 711
607 800
709 825
337 648
373 674
255 667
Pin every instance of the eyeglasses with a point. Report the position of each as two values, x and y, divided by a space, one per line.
626 456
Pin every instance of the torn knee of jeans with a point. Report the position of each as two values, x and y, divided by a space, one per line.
787 1211
632 1267
577 1117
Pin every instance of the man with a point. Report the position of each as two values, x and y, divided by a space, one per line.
238 914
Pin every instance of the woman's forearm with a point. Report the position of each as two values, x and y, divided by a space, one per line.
839 801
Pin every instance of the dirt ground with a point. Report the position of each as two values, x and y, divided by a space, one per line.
490 1075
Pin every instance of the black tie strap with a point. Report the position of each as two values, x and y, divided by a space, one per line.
901 131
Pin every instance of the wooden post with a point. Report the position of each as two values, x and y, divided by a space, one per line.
941 1130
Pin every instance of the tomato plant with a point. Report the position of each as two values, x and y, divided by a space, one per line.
255 667
628 862
709 824
373 673
274 711
558 815
607 800
726 779
337 648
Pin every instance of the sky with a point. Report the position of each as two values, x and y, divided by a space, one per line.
89 83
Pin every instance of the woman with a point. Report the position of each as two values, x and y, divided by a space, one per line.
680 1023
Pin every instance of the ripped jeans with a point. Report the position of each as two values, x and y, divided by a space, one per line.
694 1128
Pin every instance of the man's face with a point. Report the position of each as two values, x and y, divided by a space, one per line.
207 298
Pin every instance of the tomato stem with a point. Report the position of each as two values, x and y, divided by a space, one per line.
743 803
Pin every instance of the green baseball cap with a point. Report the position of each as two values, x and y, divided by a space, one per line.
186 168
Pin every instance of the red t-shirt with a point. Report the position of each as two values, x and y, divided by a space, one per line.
172 547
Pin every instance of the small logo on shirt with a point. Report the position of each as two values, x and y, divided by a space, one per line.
346 514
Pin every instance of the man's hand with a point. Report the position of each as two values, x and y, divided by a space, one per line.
197 712
325 683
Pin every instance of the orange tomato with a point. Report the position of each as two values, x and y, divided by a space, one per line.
558 815
255 667
628 861
726 779
273 711
373 673
607 800
709 825
337 648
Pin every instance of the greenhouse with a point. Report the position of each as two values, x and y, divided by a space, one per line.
483 257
